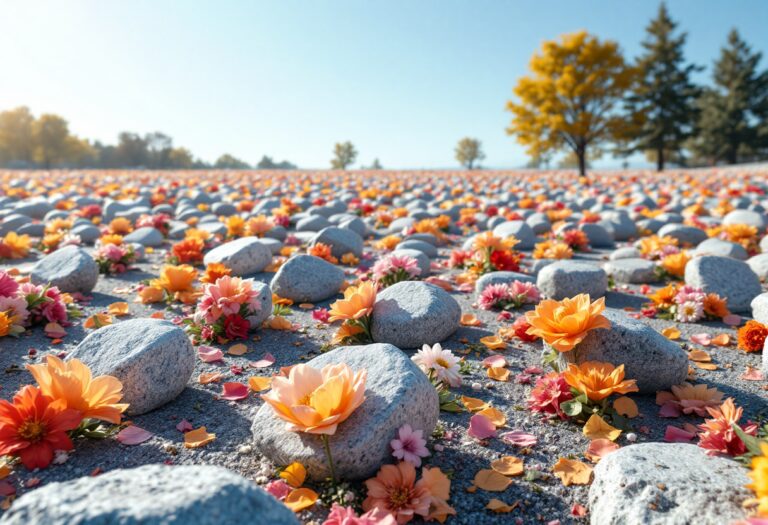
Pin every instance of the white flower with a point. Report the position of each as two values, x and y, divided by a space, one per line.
690 312
443 363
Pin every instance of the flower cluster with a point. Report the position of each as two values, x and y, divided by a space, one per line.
751 336
322 251
159 221
552 250
744 234
507 296
575 239
14 246
114 258
489 253
686 304
26 304
175 283
392 269
225 310
656 248
42 419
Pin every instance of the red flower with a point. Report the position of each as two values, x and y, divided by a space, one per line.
236 327
521 326
549 393
34 426
504 260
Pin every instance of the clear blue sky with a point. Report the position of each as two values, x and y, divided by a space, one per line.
403 80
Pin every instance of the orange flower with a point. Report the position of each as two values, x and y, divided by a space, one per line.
717 436
715 306
235 226
387 243
71 381
323 251
564 324
176 278
598 380
650 246
395 490
759 477
488 241
346 330
752 336
194 233
258 226
58 226
213 271
675 264
111 238
358 302
664 297
150 294
120 225
14 246
34 426
316 401
188 250
552 250
6 323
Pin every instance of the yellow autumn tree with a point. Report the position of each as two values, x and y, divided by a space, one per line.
571 97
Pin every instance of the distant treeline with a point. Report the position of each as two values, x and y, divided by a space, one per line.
28 142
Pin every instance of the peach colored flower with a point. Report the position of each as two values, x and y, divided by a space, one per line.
176 278
598 380
394 489
317 401
94 397
564 324
358 302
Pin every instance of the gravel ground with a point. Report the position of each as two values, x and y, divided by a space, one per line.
539 501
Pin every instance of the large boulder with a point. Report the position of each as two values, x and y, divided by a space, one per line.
410 314
686 235
655 362
306 278
666 484
152 358
730 278
70 268
752 218
243 256
150 495
722 248
397 393
569 278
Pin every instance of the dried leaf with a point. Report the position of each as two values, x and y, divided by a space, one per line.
198 438
625 407
473 404
499 507
493 342
721 340
238 349
598 428
294 474
481 427
470 320
599 448
118 309
279 322
300 499
498 374
133 435
207 378
258 383
671 333
233 391
699 356
494 415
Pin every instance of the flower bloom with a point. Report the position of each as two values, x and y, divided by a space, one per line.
715 306
520 328
394 489
692 399
410 445
759 477
316 401
189 250
674 264
72 382
401 267
549 392
323 251
14 246
488 241
213 272
176 278
226 296
8 285
564 324
347 516
442 363
33 426
751 336
598 380
358 302
493 295
717 434
690 312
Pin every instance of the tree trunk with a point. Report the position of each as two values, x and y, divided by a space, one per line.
582 154
660 159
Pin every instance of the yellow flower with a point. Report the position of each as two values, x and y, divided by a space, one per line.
71 381
15 246
120 225
552 250
317 401
598 380
488 241
564 324
358 302
759 476
235 226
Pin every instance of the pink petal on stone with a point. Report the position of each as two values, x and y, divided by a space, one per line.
495 361
701 339
209 354
732 320
267 360
519 438
133 435
534 370
669 410
752 374
480 427
184 426
677 435
234 391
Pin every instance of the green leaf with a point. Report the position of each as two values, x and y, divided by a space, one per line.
751 442
572 408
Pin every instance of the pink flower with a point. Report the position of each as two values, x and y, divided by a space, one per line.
278 488
16 307
688 294
346 516
524 293
8 286
410 445
549 393
321 315
225 297
493 296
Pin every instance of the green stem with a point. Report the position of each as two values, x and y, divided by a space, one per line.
327 447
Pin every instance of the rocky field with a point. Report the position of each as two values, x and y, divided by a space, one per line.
518 347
